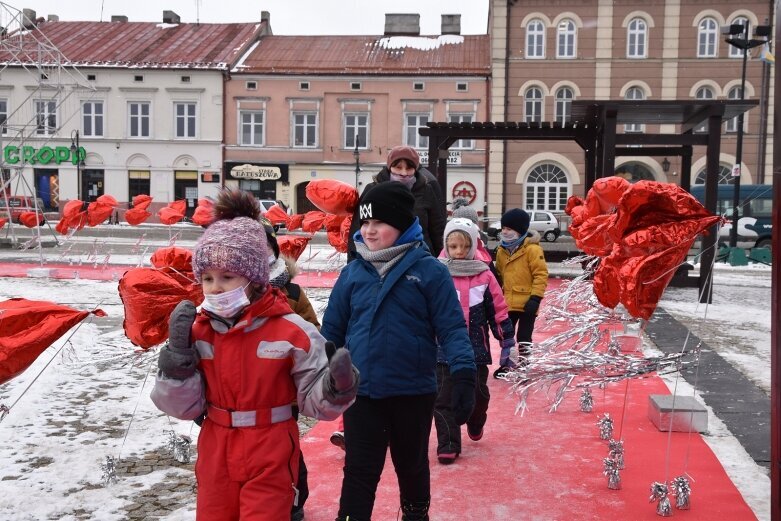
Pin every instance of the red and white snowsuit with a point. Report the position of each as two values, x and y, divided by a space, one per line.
248 375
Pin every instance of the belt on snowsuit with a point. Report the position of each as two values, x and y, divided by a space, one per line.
256 418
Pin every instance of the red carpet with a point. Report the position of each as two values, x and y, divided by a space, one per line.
547 466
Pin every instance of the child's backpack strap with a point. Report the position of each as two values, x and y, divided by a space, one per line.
293 291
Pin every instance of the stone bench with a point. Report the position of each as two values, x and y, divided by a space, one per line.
688 415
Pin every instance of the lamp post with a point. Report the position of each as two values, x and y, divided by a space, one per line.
76 151
739 37
357 157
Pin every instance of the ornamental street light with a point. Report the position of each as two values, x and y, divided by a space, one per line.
76 152
738 36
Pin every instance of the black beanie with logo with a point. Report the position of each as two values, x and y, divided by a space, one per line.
390 202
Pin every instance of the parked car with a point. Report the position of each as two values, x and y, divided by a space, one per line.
19 204
545 223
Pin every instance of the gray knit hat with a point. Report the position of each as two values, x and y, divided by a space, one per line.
462 209
235 245
466 226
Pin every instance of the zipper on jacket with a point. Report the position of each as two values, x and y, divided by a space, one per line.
290 469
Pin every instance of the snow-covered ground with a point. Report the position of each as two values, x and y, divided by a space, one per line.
87 396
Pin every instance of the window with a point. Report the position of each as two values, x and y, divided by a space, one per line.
305 129
138 183
92 119
734 52
533 105
547 188
184 115
185 79
704 93
251 132
634 93
462 87
45 117
535 39
636 35
138 78
565 40
303 85
725 176
732 125
91 77
355 85
418 85
564 105
413 122
3 117
462 144
356 124
707 38
138 119
251 85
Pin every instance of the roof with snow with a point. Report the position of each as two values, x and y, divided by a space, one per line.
134 44
451 55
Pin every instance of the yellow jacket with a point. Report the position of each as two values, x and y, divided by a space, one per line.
524 273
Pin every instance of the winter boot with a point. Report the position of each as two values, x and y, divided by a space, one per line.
414 510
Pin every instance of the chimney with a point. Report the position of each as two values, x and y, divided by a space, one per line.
169 17
451 24
53 18
402 24
28 18
118 18
265 16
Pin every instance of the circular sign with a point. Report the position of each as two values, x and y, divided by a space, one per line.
465 190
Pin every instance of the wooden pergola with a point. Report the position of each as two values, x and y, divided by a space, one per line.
594 125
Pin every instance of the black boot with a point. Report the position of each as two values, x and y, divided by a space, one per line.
414 510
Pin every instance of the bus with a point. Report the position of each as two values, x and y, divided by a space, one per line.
755 224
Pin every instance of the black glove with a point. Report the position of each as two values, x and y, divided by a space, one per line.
341 383
463 394
532 305
178 359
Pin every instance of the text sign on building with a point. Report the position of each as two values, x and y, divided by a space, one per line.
453 157
272 173
43 156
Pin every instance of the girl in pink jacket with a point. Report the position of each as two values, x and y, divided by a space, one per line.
484 308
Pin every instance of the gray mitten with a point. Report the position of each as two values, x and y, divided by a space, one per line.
178 359
341 383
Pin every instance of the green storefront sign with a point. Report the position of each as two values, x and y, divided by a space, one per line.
42 156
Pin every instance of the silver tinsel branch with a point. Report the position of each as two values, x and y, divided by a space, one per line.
586 400
611 471
682 492
179 445
109 470
659 493
616 452
4 410
605 424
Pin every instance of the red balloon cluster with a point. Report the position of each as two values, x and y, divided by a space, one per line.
77 214
204 212
642 232
138 213
150 294
173 213
336 201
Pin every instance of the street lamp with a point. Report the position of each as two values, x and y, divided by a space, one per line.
739 37
357 156
76 151
665 165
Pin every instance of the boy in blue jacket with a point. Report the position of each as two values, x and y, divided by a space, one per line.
390 308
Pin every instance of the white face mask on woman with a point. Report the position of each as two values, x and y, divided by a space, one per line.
228 304
406 180
509 236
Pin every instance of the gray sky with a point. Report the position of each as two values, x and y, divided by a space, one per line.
288 17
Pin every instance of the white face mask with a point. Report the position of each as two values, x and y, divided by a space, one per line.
228 304
406 180
509 236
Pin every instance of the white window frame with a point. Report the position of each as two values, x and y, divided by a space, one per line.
535 39
725 175
45 109
732 124
252 124
462 117
140 118
708 38
3 116
563 105
188 119
419 142
566 39
634 127
91 120
535 104
307 127
637 39
554 193
735 52
357 128
704 93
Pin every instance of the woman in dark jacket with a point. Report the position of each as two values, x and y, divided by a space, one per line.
403 165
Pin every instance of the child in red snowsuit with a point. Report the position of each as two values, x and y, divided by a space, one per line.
244 359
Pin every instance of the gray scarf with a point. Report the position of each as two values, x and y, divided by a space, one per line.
383 260
464 267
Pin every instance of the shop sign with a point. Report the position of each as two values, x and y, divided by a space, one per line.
42 156
272 173
466 190
453 157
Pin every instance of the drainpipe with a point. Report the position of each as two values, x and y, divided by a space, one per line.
225 79
506 100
